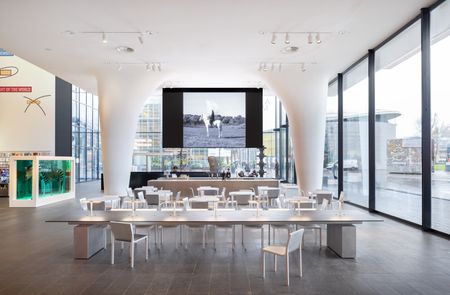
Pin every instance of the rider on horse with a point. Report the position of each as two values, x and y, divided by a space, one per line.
211 118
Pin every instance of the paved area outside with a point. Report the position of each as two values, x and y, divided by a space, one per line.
401 195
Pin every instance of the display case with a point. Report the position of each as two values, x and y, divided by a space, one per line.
4 167
40 180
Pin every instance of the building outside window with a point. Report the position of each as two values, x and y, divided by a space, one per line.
440 119
355 135
330 157
86 145
398 103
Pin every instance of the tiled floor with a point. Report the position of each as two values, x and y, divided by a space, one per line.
393 258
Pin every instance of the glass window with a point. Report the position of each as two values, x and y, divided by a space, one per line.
89 117
85 143
398 126
440 118
330 171
355 135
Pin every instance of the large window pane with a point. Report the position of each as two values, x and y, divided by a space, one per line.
356 184
85 143
440 120
330 158
398 126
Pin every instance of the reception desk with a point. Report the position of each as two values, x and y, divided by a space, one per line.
233 184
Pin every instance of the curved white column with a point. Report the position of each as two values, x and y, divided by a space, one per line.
121 98
304 98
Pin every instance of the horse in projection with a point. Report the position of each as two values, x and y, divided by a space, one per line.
214 123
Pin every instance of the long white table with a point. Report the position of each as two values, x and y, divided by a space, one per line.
341 231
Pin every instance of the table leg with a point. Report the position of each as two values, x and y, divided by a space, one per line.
88 240
341 238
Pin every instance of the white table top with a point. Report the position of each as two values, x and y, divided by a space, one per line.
207 188
103 198
241 193
224 217
204 199
267 188
301 200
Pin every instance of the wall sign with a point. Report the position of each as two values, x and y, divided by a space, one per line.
7 72
16 89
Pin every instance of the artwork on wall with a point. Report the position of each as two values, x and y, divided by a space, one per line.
35 101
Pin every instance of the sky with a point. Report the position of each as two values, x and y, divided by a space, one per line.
223 103
399 89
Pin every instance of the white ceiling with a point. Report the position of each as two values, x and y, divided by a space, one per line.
195 39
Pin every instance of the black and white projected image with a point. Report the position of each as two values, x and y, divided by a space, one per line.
214 119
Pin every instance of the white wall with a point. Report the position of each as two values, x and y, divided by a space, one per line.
30 131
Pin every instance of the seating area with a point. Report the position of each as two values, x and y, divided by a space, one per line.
208 199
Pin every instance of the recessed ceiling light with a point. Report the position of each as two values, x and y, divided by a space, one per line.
47 49
290 49
125 49
69 32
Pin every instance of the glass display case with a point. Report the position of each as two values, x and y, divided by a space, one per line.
4 167
40 180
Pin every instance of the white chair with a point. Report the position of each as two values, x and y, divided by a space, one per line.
294 243
274 227
174 226
317 228
84 204
197 206
177 201
130 193
124 232
141 202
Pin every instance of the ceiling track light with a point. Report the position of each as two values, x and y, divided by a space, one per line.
318 40
141 40
274 39
149 66
104 40
286 39
311 36
278 66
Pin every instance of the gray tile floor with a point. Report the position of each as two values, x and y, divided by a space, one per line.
36 258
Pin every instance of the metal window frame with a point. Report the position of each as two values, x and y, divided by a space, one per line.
424 18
